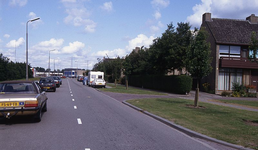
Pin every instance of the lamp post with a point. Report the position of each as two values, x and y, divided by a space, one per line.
27 74
49 61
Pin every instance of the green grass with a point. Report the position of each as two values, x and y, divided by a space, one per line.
224 123
248 103
131 90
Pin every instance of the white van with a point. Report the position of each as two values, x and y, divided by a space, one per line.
92 75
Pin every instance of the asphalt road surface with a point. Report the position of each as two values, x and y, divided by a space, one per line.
81 118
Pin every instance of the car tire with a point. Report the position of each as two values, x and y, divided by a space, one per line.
38 116
44 109
54 90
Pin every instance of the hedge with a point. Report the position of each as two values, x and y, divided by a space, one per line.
174 84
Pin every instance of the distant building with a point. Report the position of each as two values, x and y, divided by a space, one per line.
73 72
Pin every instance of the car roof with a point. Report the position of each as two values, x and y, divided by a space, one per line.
18 81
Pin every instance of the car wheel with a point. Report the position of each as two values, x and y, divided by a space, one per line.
38 116
44 109
54 90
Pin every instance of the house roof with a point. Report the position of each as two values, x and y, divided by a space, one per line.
231 31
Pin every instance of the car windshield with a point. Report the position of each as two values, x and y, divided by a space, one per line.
45 80
17 87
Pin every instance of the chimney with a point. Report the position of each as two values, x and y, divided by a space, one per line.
252 19
206 17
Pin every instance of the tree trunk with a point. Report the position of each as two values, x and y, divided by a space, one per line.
126 83
196 95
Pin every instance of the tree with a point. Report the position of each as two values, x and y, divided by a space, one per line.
162 51
253 47
199 64
183 41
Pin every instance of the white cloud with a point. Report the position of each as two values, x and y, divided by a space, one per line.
78 16
160 3
107 6
157 15
73 47
110 53
69 1
156 28
52 43
18 2
15 43
236 9
140 40
7 36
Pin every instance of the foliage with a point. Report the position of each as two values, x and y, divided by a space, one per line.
226 93
40 69
206 86
238 90
111 67
253 47
174 84
199 64
12 71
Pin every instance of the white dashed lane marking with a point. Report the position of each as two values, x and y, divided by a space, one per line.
79 120
75 107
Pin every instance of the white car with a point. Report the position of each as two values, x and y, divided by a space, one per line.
99 83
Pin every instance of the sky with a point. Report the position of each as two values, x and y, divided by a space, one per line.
78 33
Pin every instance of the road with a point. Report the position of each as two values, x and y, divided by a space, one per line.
81 118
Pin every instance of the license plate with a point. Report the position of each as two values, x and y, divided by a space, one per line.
47 87
100 83
9 104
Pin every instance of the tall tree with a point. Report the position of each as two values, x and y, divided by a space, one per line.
199 64
253 47
183 41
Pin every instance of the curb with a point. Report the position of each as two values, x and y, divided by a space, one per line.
187 131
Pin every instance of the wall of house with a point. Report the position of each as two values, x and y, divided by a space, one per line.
211 78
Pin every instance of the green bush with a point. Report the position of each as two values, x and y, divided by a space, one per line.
225 93
174 84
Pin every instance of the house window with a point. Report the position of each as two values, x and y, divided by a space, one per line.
229 51
227 77
251 53
244 53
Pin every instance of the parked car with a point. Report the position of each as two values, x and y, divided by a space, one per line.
47 84
20 98
60 80
99 83
80 78
56 80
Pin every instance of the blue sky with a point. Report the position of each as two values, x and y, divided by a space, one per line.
81 31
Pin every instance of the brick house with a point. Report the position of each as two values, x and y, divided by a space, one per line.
229 40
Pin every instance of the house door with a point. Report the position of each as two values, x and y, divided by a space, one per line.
254 78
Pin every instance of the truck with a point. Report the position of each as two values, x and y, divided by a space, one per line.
92 75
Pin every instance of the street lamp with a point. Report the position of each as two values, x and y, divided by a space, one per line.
27 74
49 61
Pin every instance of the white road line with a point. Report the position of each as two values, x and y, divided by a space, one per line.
87 148
79 121
75 107
71 94
73 100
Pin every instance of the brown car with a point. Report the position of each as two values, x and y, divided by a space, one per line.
20 98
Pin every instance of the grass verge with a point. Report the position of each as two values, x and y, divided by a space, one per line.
131 90
247 103
228 124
